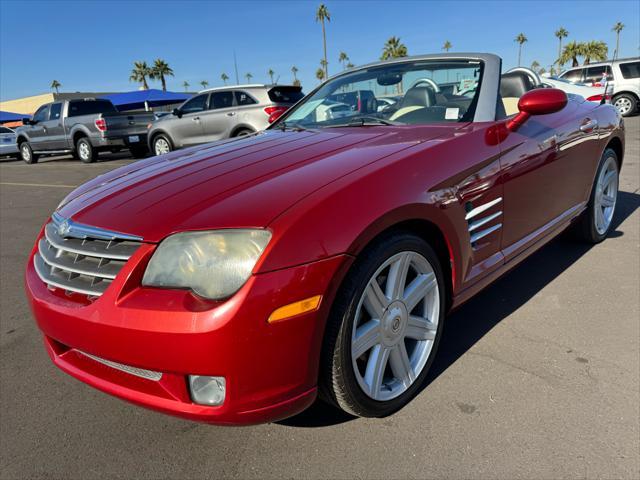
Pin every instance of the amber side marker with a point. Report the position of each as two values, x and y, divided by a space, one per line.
296 308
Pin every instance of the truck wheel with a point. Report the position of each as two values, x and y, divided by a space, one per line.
26 153
161 145
139 152
86 152
626 104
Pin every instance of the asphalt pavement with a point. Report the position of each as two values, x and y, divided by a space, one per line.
538 377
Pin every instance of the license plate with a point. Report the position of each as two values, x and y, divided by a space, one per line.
134 138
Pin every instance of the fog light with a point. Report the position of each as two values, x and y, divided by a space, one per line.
207 390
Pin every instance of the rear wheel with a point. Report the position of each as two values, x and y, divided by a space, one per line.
161 145
384 328
596 220
243 132
626 104
85 151
26 153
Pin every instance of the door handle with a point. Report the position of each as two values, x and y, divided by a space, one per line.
231 114
196 119
588 125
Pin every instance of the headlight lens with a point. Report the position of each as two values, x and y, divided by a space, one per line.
213 264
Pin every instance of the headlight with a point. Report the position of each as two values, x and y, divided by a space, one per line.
213 264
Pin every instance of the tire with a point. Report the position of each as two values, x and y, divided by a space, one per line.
85 151
26 153
626 104
596 221
161 144
243 132
139 152
345 382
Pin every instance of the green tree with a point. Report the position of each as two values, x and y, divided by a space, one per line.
343 59
542 70
224 77
617 28
140 73
447 46
159 71
320 74
186 86
271 73
393 48
571 51
595 50
535 65
520 39
350 65
560 34
323 14
55 85
248 76
204 84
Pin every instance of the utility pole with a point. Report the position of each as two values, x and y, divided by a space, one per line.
235 65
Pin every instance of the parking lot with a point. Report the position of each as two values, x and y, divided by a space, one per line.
537 377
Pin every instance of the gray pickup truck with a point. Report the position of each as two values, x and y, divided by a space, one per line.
82 127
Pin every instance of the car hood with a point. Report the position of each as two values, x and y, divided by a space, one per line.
236 183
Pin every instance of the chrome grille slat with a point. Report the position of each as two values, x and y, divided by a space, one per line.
69 259
138 372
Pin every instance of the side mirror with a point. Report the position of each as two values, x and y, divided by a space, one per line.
541 101
177 112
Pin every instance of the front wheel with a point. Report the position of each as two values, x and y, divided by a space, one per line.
161 145
26 153
384 329
596 220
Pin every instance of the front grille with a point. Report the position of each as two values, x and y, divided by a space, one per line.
79 258
138 372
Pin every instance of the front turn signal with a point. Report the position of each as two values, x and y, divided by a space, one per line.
303 306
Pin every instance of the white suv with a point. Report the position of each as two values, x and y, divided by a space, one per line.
623 74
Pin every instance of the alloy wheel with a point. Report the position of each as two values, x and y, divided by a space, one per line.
83 151
606 195
623 105
26 153
395 325
161 146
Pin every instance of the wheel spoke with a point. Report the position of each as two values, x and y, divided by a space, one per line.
607 201
607 179
367 337
376 365
418 289
420 328
398 277
599 219
374 300
401 365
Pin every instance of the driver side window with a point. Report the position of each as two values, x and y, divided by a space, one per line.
42 114
196 104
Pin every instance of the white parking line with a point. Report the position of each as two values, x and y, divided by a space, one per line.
37 185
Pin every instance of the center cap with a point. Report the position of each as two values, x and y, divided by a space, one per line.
394 322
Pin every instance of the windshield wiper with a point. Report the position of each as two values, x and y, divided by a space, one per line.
294 127
365 122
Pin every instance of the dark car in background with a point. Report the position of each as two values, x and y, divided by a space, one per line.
220 113
82 127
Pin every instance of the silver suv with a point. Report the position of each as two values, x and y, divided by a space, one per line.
219 113
623 74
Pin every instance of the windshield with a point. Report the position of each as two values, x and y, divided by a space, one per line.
409 93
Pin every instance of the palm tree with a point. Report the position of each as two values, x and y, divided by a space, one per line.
204 84
560 34
271 73
343 59
521 39
447 46
350 65
393 48
55 85
186 86
323 64
320 74
535 65
571 51
160 70
542 70
617 28
595 50
323 14
140 73
224 78
294 70
248 76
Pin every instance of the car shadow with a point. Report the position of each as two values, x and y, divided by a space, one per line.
473 320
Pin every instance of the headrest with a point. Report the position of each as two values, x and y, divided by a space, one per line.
515 84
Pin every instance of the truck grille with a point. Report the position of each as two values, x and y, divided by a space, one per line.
79 258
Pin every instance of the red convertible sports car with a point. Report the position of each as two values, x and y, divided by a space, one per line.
233 283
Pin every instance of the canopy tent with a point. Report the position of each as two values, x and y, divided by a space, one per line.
146 99
6 117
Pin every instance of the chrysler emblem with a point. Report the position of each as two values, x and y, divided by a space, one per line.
64 228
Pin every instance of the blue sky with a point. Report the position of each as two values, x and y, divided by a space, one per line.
91 46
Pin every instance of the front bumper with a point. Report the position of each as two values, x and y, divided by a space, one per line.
270 369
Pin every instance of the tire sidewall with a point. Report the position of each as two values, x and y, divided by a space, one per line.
592 233
32 157
362 273
166 139
632 99
91 157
